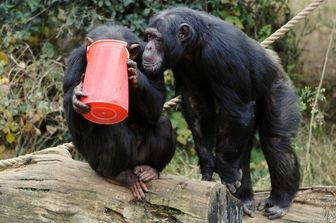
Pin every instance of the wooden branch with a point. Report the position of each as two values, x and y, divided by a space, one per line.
49 186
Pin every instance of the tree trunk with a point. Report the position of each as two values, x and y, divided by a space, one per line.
49 186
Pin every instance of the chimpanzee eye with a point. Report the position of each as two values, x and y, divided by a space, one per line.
150 36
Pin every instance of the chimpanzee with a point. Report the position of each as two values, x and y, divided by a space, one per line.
230 87
135 150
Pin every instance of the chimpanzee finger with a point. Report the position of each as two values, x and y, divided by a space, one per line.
148 175
80 94
132 64
143 186
138 170
140 191
132 72
135 192
80 107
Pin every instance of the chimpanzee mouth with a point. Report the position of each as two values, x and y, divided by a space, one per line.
150 67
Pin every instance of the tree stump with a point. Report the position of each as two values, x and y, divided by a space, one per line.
49 186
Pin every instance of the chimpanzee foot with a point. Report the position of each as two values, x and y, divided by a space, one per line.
138 189
207 169
249 207
271 209
146 173
207 176
128 179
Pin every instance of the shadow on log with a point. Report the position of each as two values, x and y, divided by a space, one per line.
49 186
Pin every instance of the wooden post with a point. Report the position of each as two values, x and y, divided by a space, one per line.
49 186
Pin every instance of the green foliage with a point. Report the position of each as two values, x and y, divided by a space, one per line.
307 98
185 162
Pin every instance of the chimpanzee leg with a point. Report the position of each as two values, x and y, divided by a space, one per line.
234 129
199 111
279 124
156 150
107 145
245 192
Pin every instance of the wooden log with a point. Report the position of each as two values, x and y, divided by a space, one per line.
49 186
315 204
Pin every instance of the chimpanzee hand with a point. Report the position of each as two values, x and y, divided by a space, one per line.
77 105
133 73
146 173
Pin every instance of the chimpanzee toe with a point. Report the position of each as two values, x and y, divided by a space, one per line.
249 208
271 209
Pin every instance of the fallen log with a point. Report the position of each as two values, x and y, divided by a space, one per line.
49 186
316 204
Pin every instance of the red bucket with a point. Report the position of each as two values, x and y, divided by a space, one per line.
106 82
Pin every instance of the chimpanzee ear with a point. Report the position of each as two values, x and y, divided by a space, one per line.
185 32
134 50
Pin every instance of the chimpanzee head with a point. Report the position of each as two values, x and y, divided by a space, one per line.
172 36
117 33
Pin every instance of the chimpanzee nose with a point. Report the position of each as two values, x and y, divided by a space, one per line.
147 58
148 47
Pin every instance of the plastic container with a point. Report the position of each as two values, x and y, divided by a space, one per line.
106 82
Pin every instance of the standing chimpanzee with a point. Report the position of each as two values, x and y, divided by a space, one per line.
134 151
230 86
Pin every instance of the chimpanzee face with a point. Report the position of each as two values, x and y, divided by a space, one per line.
167 44
153 55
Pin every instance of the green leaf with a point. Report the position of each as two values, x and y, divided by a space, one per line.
48 50
10 137
3 58
181 140
43 107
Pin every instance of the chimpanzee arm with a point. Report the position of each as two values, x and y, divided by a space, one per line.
76 66
148 98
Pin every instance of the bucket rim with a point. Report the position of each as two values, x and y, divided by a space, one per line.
108 40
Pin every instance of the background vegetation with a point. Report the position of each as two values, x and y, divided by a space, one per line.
37 35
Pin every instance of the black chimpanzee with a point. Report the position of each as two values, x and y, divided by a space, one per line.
230 87
134 151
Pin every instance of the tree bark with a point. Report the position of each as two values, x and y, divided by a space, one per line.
49 186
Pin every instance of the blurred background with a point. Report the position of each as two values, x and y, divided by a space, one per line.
36 37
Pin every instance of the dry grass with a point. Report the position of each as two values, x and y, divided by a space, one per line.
322 158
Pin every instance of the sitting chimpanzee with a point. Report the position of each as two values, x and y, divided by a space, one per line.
230 87
134 151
